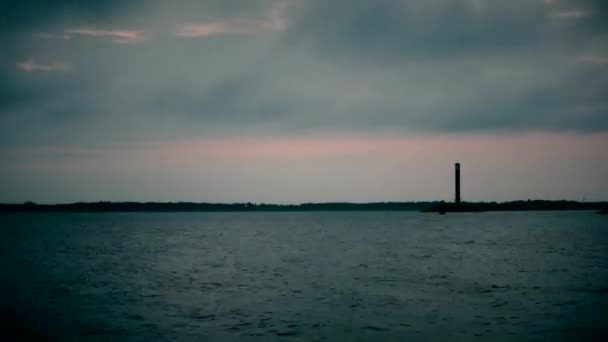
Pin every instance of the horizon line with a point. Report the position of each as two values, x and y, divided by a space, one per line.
299 203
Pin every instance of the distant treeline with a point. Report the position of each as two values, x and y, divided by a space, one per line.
516 205
437 206
190 206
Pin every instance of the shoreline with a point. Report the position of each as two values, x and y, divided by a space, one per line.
434 206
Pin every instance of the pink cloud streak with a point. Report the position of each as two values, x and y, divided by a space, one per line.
595 59
29 65
119 36
238 26
275 21
572 14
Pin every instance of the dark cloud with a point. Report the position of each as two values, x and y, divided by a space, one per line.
32 15
398 31
596 14
340 66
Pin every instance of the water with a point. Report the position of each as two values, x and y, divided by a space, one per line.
365 276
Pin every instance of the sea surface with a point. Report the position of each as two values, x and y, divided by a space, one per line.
305 276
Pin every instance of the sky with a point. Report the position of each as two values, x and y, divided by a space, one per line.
290 101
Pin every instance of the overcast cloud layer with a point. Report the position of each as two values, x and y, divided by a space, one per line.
139 70
106 73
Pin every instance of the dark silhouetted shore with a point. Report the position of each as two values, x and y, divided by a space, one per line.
437 206
516 206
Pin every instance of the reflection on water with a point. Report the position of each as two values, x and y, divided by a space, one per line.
306 276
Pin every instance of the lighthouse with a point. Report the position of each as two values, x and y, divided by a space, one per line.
457 182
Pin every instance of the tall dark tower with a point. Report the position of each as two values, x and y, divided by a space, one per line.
457 175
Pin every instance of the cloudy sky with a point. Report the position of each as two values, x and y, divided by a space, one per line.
303 100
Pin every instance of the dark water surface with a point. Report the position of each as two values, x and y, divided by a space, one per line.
364 276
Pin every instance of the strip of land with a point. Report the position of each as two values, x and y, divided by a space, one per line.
436 206
516 206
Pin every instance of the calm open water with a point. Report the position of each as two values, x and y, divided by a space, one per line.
338 276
